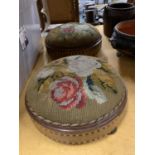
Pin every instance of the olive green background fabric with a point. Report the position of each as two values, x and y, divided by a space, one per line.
73 35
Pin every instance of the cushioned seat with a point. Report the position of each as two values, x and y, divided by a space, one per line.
72 39
76 99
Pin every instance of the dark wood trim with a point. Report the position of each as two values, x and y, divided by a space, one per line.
41 15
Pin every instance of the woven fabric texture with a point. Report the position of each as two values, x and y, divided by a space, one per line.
73 35
75 89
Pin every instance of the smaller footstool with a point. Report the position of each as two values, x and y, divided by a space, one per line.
73 39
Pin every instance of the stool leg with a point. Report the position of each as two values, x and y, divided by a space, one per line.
113 131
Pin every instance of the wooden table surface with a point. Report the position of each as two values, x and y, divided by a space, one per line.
32 142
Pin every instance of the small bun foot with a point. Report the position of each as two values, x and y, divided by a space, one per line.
113 131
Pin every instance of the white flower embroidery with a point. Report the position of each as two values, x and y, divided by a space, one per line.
82 27
45 73
96 93
82 66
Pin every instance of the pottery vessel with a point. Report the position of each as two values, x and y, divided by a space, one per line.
123 37
115 13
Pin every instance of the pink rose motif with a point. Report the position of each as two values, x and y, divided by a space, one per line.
68 30
68 92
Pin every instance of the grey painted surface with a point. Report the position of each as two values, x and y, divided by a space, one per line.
28 17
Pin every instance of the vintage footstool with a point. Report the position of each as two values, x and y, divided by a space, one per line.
76 99
73 39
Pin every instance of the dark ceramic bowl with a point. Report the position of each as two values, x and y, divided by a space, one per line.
123 37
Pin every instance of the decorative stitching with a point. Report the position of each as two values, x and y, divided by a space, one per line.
76 124
81 134
48 121
67 124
